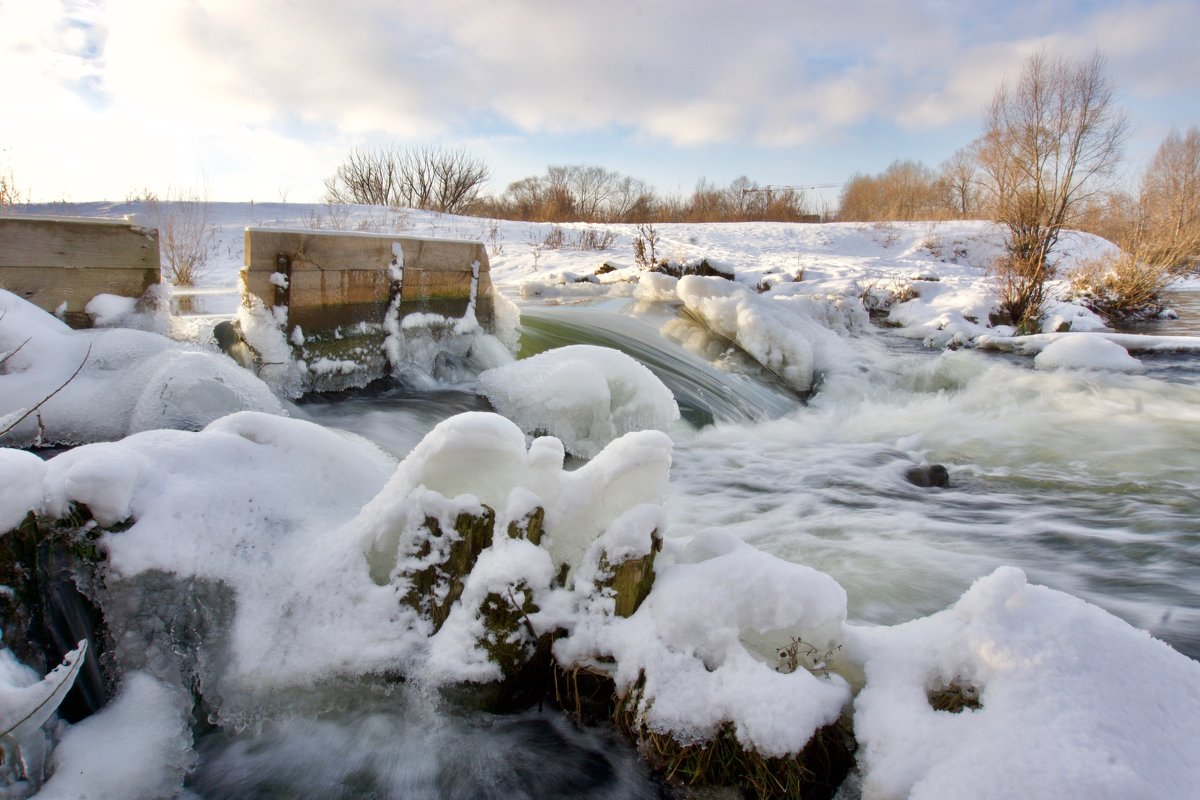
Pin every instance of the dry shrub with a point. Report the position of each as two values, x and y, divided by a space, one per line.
186 235
814 772
1021 285
954 697
1122 286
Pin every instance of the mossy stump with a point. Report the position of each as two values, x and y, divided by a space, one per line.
49 573
814 773
434 589
586 694
509 638
529 527
631 580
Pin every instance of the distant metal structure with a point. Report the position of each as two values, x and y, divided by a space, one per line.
769 191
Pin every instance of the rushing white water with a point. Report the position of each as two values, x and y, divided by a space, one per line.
397 746
1087 480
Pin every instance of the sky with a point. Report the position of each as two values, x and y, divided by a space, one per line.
262 99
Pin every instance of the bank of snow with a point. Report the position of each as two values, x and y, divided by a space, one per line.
1074 703
928 278
103 384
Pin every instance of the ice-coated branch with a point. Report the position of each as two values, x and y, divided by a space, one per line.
46 399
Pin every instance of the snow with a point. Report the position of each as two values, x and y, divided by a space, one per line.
105 309
139 745
127 381
688 644
1086 352
21 476
482 458
289 540
1130 342
586 396
1074 702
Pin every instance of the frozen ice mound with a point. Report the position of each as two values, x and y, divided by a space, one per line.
127 380
584 395
1083 351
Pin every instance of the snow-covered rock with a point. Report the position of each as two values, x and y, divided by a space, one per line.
1074 703
1082 351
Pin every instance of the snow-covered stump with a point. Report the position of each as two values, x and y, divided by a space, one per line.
61 264
333 303
628 577
700 676
447 558
529 527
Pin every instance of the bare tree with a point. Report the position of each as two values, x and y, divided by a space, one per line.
559 199
1158 234
187 232
592 188
524 199
960 180
705 204
433 178
1169 201
1050 142
907 190
632 200
742 200
366 176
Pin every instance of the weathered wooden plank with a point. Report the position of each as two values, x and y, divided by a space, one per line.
68 243
49 287
53 260
352 269
340 286
321 288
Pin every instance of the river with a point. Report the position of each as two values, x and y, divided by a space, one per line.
1086 480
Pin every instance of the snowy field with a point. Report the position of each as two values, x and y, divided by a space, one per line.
1068 533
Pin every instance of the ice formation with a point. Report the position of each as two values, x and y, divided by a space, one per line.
584 395
138 746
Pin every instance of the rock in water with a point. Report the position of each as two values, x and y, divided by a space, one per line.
928 475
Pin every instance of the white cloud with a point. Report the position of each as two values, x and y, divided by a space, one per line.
172 87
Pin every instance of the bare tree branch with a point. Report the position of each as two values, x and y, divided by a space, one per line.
46 399
7 356
432 178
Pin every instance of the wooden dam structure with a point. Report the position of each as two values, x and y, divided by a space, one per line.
334 289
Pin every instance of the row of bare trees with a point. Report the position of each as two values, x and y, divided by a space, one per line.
906 191
453 181
432 178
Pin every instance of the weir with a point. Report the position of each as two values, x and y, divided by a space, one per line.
338 296
60 263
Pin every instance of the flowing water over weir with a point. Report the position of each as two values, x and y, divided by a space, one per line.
712 380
